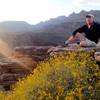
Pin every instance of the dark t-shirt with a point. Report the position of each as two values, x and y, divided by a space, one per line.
92 33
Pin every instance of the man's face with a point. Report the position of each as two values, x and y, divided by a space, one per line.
89 20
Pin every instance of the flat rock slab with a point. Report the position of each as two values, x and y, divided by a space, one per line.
41 52
64 49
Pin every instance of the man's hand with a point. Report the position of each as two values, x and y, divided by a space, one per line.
66 42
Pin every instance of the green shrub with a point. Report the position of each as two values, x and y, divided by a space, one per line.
70 76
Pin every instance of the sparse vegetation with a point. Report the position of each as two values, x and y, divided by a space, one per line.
70 76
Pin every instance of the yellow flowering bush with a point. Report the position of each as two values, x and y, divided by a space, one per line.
2 95
68 76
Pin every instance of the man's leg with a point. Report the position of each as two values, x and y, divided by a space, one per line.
84 42
87 43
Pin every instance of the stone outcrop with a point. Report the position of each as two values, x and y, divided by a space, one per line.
25 59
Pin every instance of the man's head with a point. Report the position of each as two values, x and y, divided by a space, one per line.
89 19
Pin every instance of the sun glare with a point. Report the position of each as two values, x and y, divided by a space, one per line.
23 60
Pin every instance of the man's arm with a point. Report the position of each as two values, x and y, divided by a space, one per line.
79 30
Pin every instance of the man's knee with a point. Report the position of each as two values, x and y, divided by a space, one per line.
80 36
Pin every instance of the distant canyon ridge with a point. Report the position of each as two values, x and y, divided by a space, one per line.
52 32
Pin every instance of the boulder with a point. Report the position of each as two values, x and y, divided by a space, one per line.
97 56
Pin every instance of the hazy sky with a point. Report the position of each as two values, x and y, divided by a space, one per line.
34 11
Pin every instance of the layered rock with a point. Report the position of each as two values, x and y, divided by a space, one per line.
25 59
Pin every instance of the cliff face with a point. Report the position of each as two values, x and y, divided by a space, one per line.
25 59
22 61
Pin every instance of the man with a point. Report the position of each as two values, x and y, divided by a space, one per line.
87 35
